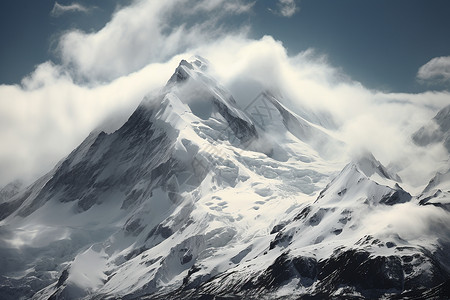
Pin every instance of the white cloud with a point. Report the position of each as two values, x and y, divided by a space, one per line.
437 70
146 32
49 115
286 8
377 121
60 9
220 6
409 221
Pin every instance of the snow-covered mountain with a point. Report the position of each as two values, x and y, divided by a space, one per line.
195 197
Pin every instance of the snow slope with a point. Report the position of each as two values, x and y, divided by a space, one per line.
195 196
437 192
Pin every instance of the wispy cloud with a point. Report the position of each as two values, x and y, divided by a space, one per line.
239 7
60 9
227 6
286 8
437 70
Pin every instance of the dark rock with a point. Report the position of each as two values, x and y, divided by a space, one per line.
315 219
439 292
281 239
135 253
390 244
371 276
399 196
277 228
134 227
187 257
165 232
306 267
192 270
342 192
180 75
303 214
276 274
337 231
238 257
62 278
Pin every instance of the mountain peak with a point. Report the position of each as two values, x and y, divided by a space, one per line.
181 73
367 164
195 63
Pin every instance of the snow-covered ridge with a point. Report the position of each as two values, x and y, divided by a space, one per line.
271 115
437 192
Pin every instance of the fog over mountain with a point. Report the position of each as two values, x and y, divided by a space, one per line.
169 155
194 195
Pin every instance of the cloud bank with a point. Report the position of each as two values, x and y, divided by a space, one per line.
367 120
104 75
49 115
143 33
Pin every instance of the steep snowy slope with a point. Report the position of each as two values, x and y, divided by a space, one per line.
272 116
195 196
437 192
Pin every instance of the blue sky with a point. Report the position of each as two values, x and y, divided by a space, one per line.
29 31
380 43
380 69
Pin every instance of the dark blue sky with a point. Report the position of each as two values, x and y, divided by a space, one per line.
29 33
380 43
